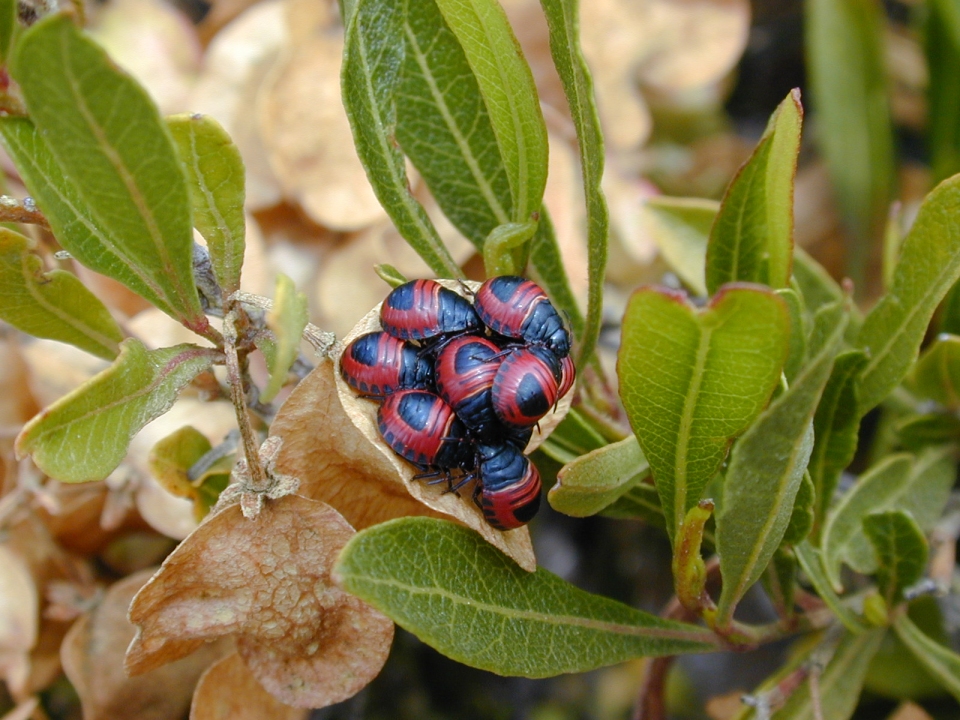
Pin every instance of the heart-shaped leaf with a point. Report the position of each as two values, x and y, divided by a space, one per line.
458 594
691 381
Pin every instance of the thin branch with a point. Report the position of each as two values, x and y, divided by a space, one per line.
15 211
235 376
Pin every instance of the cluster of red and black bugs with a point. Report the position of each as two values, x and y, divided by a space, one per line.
462 385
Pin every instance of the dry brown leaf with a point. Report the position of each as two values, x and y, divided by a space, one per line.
308 138
227 691
909 711
267 582
93 653
155 43
725 707
17 404
56 369
236 62
19 619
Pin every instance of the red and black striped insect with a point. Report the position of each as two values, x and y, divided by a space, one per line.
424 309
519 308
421 428
465 371
508 486
377 364
527 385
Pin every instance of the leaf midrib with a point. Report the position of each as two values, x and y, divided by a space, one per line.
697 636
690 403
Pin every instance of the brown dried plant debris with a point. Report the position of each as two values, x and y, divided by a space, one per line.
19 621
93 652
266 582
227 691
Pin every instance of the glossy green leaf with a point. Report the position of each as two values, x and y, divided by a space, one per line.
929 265
641 502
691 381
752 237
836 426
681 228
84 435
373 57
443 125
215 176
52 304
939 661
918 484
847 76
840 683
548 270
104 132
764 474
461 596
811 561
595 480
916 432
563 23
901 551
8 27
507 87
936 374
942 44
286 321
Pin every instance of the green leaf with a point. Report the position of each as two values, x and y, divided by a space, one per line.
801 519
443 125
641 502
595 480
215 176
840 683
764 474
501 245
816 285
929 265
692 381
918 431
548 270
835 429
84 435
797 353
752 237
53 304
901 551
920 485
170 461
563 23
104 132
681 228
811 561
8 27
507 87
847 75
936 375
373 56
461 596
286 321
939 661
942 44
780 581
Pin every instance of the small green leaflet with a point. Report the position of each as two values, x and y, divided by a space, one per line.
752 237
84 435
936 375
595 480
811 562
463 597
940 661
53 304
216 183
901 551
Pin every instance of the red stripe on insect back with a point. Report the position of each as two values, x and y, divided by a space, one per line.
420 427
526 387
378 364
423 309
515 504
465 371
